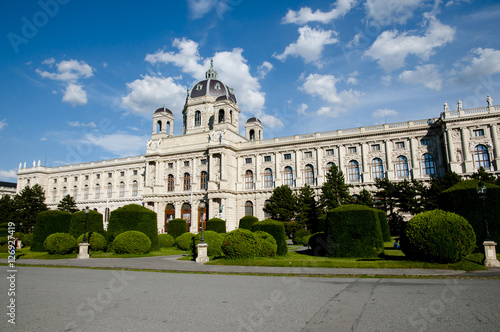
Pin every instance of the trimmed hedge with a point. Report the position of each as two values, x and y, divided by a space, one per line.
131 242
300 235
184 241
95 240
463 199
319 244
177 227
60 243
133 217
214 241
166 240
384 226
4 244
267 244
277 230
438 236
216 225
47 223
247 221
240 243
27 239
354 231
94 223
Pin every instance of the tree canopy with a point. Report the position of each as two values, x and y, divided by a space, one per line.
68 204
334 191
282 204
28 203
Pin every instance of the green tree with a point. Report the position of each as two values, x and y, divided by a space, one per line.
7 209
437 186
68 204
334 191
409 196
307 207
386 197
28 203
484 176
282 204
365 198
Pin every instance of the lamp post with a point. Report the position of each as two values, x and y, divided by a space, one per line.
85 229
203 206
202 246
481 192
490 255
84 246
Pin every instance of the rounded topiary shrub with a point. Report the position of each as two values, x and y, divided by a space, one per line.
133 217
49 222
166 240
77 224
27 239
214 241
96 241
132 242
240 243
267 244
177 227
438 236
4 244
216 225
300 235
60 243
247 221
277 230
354 231
384 226
184 241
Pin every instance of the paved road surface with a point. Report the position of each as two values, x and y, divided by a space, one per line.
71 299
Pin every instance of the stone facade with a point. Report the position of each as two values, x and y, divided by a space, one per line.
212 163
7 188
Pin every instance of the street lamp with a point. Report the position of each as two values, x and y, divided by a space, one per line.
481 192
203 205
85 229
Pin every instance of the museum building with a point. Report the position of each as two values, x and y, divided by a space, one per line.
213 169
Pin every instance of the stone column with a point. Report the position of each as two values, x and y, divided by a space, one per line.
469 167
340 165
365 175
278 171
451 152
298 172
496 146
388 152
319 158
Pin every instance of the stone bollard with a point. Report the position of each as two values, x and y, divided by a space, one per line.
83 251
202 253
490 254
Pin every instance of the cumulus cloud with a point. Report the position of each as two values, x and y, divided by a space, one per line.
199 8
75 95
7 175
324 86
309 45
391 48
428 75
481 63
383 12
382 113
150 92
3 124
120 144
81 124
187 59
305 14
264 69
302 110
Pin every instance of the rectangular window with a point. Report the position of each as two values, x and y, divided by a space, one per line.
400 145
375 147
351 149
135 172
479 132
122 173
110 175
170 165
98 176
55 180
267 158
76 178
203 161
186 163
65 179
248 160
308 154
329 152
425 141
287 156
86 177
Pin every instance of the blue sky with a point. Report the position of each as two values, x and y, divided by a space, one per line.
80 80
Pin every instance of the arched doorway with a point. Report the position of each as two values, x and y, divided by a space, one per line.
186 214
169 215
202 216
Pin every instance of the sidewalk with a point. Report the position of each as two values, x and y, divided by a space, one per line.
171 263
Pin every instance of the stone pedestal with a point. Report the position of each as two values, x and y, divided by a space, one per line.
202 253
490 254
19 244
83 251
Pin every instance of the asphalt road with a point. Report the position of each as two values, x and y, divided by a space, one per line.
70 299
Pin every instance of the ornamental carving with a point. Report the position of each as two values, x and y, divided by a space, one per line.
456 135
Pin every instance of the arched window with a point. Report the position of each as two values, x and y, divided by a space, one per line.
169 215
252 135
186 214
268 178
377 169
122 189
249 179
75 192
110 190
97 191
353 170
158 127
402 167
481 157
328 166
54 194
86 192
197 118
221 116
170 183
187 181
428 167
267 215
288 176
248 208
309 175
135 188
168 128
64 191
204 180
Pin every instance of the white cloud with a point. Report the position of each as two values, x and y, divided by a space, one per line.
386 80
3 124
75 95
80 124
309 45
67 71
264 69
43 139
383 12
271 121
7 175
483 62
457 2
151 92
305 14
324 86
382 113
120 144
302 110
199 8
391 47
428 75
352 78
49 62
